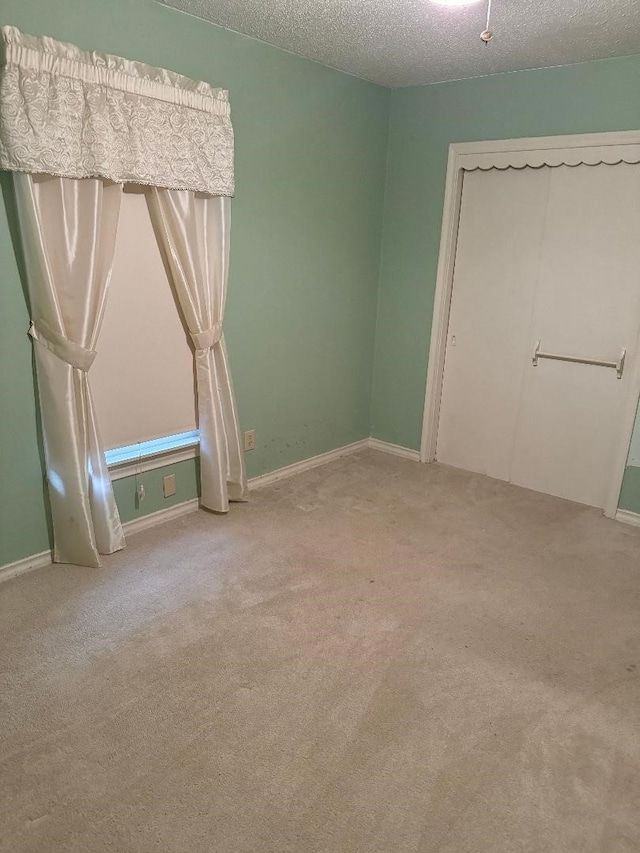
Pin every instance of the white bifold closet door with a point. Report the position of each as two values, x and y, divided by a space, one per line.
550 254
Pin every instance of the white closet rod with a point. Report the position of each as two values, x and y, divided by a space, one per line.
618 366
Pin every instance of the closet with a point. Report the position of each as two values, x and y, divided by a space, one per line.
547 261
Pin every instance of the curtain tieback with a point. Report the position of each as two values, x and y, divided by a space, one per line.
203 341
63 348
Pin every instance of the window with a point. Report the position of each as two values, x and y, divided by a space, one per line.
142 380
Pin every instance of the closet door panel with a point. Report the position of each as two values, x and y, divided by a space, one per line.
587 304
496 267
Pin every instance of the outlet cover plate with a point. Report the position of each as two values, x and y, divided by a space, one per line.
169 485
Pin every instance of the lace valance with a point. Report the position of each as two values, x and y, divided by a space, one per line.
67 112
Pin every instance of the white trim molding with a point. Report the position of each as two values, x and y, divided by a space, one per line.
627 517
394 449
591 148
537 151
150 463
307 464
27 564
144 522
330 456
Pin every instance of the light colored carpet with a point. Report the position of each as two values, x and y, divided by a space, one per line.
372 657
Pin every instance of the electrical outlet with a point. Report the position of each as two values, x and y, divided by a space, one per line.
169 485
250 439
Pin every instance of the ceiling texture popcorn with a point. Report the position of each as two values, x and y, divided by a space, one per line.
415 42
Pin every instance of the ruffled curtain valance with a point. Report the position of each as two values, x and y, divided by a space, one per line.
70 113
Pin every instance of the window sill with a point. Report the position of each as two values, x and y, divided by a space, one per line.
138 458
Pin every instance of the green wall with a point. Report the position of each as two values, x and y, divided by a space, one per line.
187 476
307 219
630 492
598 96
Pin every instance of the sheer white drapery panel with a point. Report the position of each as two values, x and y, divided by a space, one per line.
68 230
67 112
194 232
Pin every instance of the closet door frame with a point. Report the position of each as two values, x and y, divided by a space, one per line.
591 148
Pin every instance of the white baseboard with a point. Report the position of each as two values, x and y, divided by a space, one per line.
27 564
307 464
323 458
38 561
160 516
627 517
394 449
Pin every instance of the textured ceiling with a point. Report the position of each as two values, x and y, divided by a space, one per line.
412 42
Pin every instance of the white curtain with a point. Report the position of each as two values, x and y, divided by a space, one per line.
194 233
68 230
96 121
